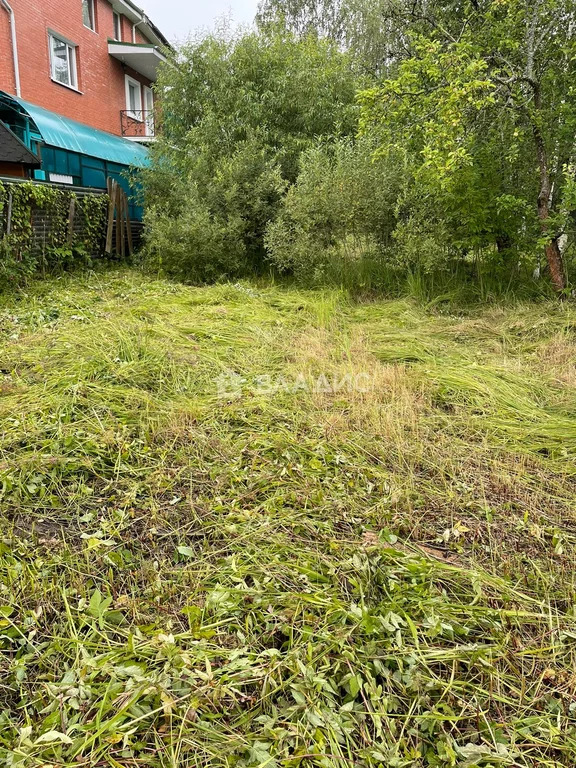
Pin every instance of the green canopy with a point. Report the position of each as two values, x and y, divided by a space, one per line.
61 132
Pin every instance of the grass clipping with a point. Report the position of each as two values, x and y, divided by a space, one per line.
281 571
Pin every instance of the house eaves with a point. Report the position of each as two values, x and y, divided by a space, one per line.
141 20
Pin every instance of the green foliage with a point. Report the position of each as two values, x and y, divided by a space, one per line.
483 109
203 232
24 253
237 116
370 30
464 166
338 215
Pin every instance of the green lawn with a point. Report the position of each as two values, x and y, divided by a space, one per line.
251 526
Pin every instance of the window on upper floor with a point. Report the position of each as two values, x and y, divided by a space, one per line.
63 62
88 14
117 26
133 98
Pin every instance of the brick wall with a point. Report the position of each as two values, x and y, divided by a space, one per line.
6 61
101 79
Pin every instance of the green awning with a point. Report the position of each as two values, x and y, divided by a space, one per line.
61 132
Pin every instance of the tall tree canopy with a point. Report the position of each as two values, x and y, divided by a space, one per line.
368 29
488 80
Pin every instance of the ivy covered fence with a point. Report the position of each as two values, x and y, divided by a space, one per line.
44 228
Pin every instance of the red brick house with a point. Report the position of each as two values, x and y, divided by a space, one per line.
76 81
89 60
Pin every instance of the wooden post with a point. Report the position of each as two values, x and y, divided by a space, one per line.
111 203
120 219
71 219
117 228
129 230
9 215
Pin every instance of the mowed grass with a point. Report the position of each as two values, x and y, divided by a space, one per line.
250 526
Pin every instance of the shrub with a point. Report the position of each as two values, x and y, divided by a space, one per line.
340 213
211 229
237 115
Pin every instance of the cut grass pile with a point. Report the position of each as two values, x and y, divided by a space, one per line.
249 526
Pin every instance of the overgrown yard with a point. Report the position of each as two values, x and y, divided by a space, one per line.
367 558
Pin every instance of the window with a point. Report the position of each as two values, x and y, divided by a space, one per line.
133 98
117 26
88 14
63 62
61 178
149 111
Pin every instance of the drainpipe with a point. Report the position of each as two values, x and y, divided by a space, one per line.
8 7
135 27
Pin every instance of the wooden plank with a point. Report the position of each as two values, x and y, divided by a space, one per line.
117 220
71 214
129 230
118 204
111 203
120 220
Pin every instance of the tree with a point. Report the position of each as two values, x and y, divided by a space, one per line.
367 29
325 18
237 115
487 70
338 216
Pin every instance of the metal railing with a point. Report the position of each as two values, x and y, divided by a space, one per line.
138 124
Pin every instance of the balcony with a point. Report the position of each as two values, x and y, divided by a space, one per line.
144 59
138 125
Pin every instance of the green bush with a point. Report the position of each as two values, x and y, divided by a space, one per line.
203 231
237 115
339 217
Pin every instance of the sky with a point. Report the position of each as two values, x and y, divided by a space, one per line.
178 18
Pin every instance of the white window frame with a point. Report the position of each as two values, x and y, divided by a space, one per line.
148 95
92 14
117 26
133 114
71 53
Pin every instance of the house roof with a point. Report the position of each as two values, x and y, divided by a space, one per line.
12 150
63 133
138 17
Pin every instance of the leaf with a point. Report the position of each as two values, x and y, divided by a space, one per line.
475 753
299 697
186 551
51 737
355 685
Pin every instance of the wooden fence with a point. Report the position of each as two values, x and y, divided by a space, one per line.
119 233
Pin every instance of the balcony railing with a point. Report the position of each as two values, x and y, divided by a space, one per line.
138 124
